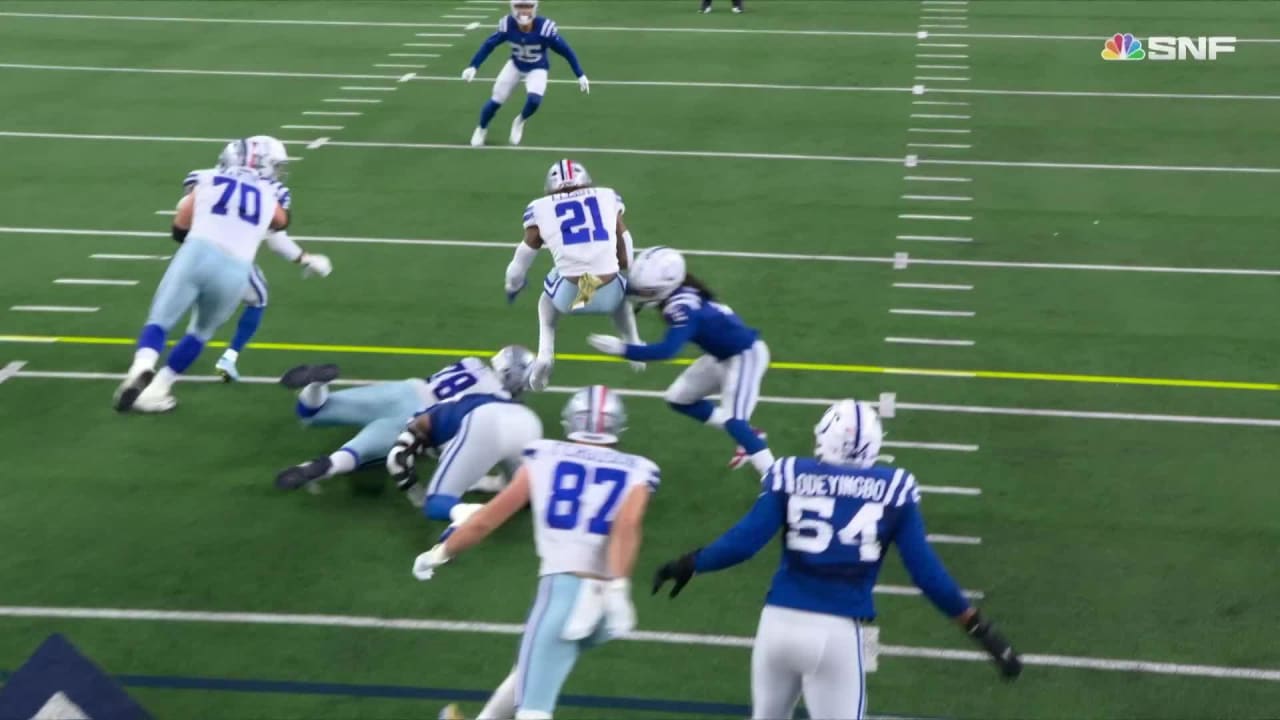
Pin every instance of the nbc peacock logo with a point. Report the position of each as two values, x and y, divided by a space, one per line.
1123 47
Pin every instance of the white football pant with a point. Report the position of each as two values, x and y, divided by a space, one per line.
817 655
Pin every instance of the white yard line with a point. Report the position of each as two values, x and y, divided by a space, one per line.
413 55
931 286
511 629
954 539
369 88
953 103
939 198
942 146
308 127
889 260
767 399
94 281
430 45
317 143
353 101
440 35
54 308
941 78
950 490
941 131
935 218
935 178
932 313
119 256
399 65
943 56
929 341
933 116
333 113
12 369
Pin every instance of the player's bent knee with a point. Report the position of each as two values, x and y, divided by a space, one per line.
438 506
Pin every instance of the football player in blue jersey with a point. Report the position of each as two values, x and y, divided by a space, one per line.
531 36
838 512
734 360
381 410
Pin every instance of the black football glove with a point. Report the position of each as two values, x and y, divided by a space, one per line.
986 635
401 461
681 570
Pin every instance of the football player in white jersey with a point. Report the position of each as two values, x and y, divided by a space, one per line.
381 410
588 502
221 223
581 224
255 298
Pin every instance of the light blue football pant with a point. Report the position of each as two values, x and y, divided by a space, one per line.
545 658
256 294
604 302
383 409
203 279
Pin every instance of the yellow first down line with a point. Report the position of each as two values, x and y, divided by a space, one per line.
777 365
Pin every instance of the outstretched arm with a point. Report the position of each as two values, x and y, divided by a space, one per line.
562 49
667 348
742 541
492 516
490 44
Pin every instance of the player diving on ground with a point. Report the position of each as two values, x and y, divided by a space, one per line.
587 501
838 512
381 410
582 225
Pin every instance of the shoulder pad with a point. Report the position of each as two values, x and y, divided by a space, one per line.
503 23
192 178
680 304
528 213
780 477
548 28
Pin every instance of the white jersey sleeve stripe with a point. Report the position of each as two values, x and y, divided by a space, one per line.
907 488
893 486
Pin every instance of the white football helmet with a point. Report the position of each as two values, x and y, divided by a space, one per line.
524 10
849 433
513 364
655 274
567 175
262 154
594 415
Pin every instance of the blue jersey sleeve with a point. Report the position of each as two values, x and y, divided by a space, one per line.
667 348
748 537
490 44
924 566
557 43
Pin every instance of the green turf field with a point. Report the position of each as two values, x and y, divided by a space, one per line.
1098 447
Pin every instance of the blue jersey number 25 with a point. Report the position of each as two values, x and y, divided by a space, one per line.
576 227
250 199
571 480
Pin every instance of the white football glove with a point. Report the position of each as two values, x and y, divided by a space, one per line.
607 344
619 613
469 74
315 265
425 565
584 84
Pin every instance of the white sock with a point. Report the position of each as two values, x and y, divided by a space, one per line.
231 355
343 462
144 359
624 319
502 706
762 461
163 381
314 395
547 316
719 417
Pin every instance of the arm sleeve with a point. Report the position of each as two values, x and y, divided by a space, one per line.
518 268
562 48
744 540
284 246
924 566
490 44
677 336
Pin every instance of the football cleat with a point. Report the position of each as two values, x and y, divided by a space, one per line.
740 456
517 130
153 400
226 367
737 10
131 388
477 137
304 474
303 375
451 712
